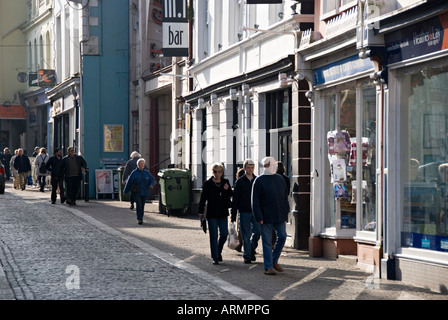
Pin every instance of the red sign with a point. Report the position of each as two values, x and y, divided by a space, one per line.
13 111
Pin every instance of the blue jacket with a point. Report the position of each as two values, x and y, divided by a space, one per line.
270 199
141 177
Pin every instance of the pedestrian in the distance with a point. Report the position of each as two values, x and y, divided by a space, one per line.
131 165
72 167
138 184
217 193
250 229
271 207
57 177
23 166
281 170
14 172
41 170
6 159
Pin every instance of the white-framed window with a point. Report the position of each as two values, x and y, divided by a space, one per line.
350 142
334 7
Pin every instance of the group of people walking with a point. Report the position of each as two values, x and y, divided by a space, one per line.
261 201
263 206
61 169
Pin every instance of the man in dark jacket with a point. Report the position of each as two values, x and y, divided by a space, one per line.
71 169
271 207
250 229
57 180
23 166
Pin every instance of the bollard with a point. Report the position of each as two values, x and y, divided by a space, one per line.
86 185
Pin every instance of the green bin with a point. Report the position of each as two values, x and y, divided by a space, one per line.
175 190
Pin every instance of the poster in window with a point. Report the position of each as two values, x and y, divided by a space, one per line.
113 138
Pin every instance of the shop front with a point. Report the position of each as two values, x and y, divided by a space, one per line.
345 187
64 116
417 224
37 105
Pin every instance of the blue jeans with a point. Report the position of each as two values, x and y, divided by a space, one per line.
216 244
250 233
140 208
271 256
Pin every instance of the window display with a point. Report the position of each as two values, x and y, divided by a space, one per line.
342 144
424 153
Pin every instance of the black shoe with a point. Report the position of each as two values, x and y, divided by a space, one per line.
132 206
252 257
53 202
220 258
247 261
140 222
62 200
215 262
68 202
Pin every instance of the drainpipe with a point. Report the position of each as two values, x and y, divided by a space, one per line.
84 39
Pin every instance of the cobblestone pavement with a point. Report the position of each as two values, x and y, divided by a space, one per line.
45 247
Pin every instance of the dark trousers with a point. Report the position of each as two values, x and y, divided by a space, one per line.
55 183
140 209
72 187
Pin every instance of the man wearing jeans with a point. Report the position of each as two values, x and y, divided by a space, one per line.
250 229
271 207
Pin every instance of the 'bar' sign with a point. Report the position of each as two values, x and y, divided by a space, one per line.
175 28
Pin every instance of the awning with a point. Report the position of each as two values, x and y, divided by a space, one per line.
13 111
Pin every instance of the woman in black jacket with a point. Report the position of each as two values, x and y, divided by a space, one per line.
217 192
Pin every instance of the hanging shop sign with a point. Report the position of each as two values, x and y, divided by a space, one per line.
417 40
175 28
46 78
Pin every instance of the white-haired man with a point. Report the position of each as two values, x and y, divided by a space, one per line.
271 207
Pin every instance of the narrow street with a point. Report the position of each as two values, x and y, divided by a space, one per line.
97 251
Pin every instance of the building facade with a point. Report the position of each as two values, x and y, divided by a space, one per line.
246 100
13 67
377 146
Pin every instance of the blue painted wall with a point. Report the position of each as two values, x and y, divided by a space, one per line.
106 83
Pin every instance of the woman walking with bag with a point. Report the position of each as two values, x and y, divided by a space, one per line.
217 192
41 170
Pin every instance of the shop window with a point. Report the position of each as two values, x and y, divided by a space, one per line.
351 158
278 125
424 159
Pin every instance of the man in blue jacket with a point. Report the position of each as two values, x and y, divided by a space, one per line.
271 207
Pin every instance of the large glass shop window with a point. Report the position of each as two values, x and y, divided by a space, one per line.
351 185
424 103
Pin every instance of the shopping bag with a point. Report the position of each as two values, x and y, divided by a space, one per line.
233 241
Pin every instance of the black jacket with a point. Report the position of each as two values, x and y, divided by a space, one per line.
22 164
242 196
217 198
270 199
54 166
64 166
